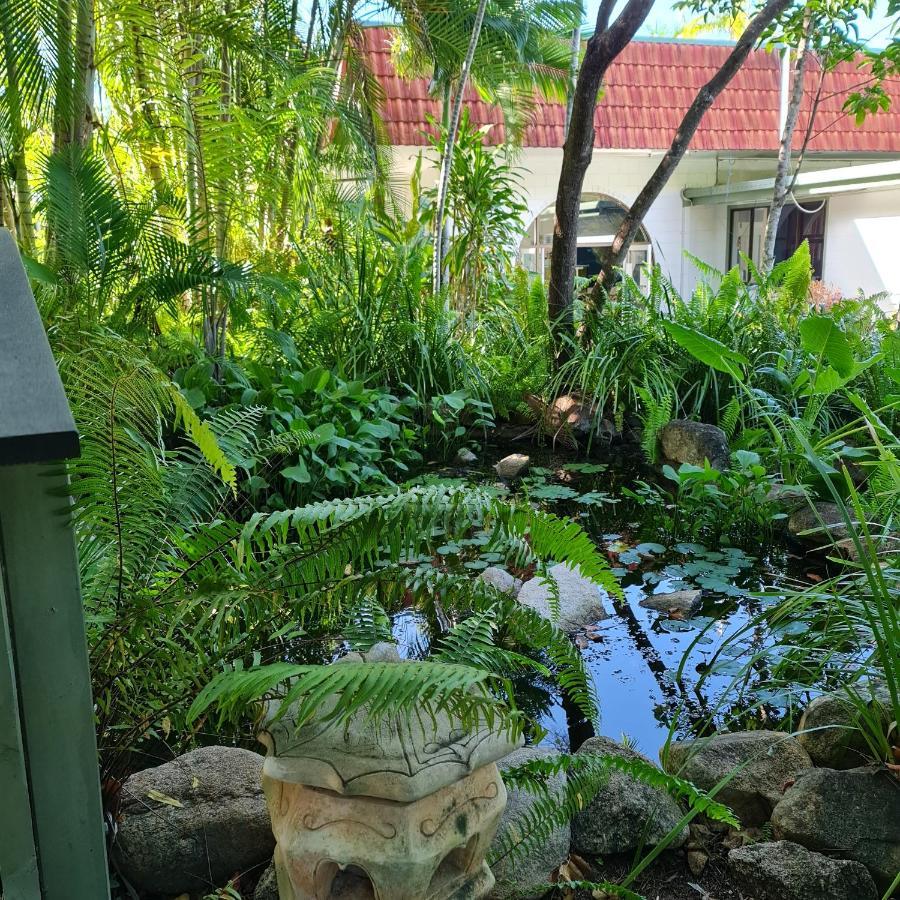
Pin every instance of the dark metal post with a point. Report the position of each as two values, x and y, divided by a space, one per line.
53 842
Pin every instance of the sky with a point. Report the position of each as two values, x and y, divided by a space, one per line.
664 20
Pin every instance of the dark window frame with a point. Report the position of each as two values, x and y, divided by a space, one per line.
751 209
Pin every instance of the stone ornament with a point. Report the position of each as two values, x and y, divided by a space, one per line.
402 809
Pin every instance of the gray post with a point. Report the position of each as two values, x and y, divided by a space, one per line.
53 839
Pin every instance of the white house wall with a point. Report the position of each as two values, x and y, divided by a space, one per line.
862 229
621 175
862 236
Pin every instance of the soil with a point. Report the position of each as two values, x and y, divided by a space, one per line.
669 877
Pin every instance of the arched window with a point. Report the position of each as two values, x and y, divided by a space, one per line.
598 221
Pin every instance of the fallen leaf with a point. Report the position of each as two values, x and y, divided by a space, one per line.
160 797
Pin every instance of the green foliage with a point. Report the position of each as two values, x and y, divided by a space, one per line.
378 690
586 774
180 593
485 207
657 411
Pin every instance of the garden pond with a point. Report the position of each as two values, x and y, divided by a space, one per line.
656 673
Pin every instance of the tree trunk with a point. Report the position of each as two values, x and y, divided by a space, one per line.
603 47
85 73
25 223
64 102
151 161
783 181
616 253
437 271
7 214
574 53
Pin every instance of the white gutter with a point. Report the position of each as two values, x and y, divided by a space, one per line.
847 178
785 89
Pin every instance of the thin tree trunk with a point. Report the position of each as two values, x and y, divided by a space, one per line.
602 48
151 162
437 273
631 223
7 214
575 52
65 73
293 138
85 73
783 181
25 230
216 322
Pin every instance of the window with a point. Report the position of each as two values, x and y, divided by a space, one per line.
747 234
598 221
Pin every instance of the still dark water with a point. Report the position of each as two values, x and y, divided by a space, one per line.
654 674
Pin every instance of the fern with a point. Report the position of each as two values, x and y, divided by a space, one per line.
586 774
729 417
657 411
205 438
378 690
795 274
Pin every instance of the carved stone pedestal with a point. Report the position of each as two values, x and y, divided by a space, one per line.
430 848
401 810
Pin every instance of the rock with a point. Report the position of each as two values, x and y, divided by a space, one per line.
851 814
625 813
765 761
513 465
267 886
501 579
787 496
780 870
383 652
465 457
818 523
526 878
881 544
572 414
829 731
683 602
697 860
193 822
580 600
684 441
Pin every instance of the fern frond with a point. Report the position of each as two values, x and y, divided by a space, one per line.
202 434
376 690
586 774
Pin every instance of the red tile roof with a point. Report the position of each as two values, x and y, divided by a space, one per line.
648 90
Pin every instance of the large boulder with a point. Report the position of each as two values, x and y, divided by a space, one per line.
193 822
625 813
501 579
829 729
684 441
852 814
818 523
780 870
267 886
759 764
527 877
580 600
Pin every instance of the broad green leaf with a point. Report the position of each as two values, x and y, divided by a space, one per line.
706 349
822 336
298 473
